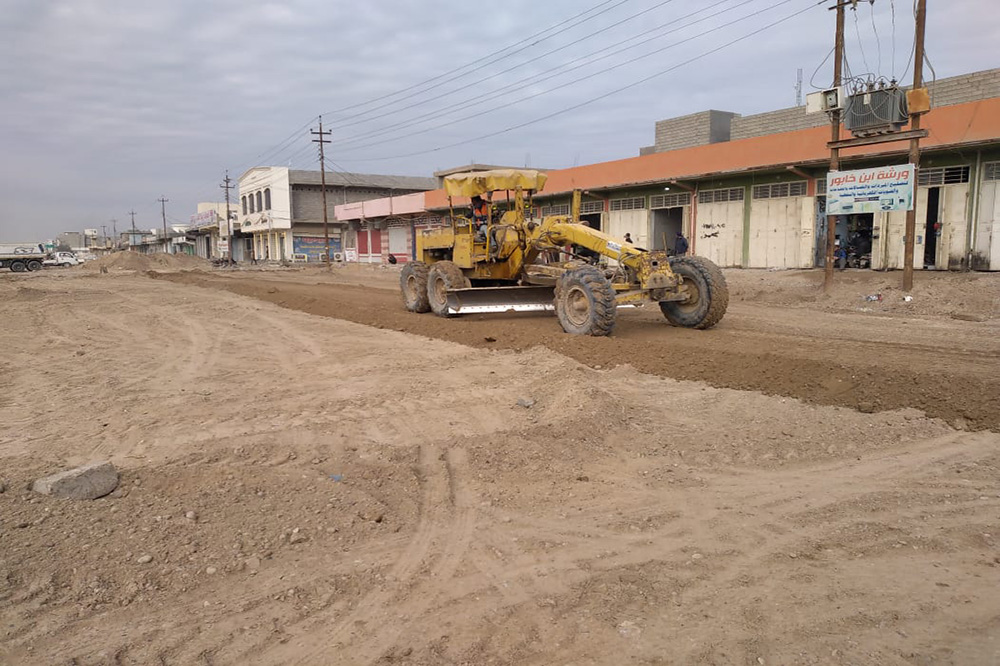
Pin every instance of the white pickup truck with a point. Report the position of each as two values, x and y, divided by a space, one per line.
64 259
20 258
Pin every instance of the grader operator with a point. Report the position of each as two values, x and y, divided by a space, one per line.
460 270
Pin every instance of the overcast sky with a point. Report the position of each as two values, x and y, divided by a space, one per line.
110 104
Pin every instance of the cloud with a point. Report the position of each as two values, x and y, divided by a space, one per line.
109 104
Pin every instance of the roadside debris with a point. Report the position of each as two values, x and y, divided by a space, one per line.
88 482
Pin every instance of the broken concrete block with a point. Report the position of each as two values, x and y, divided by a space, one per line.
90 481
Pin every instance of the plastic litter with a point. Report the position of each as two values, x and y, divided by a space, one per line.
874 297
907 298
336 478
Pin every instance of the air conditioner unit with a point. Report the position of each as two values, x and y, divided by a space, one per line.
338 256
876 112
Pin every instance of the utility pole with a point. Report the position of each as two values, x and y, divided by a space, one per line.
229 224
322 177
132 239
163 209
114 232
831 220
918 82
104 232
798 87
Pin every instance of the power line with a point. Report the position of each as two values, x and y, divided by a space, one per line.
436 98
572 82
529 41
487 97
603 96
878 41
276 150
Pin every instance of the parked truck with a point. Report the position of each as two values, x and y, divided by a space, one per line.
21 258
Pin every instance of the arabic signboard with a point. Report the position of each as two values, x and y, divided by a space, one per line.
351 254
314 246
870 190
223 244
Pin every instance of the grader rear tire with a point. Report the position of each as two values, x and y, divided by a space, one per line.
708 295
413 285
442 277
34 265
585 302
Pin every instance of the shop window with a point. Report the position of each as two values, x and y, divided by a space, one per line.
588 207
721 196
780 190
559 209
670 200
943 176
632 203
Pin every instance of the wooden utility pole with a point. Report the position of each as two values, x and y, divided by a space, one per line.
918 82
131 240
229 224
322 178
163 210
831 220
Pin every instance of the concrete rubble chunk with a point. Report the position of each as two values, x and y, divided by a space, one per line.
88 482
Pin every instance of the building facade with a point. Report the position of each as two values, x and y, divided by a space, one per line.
280 210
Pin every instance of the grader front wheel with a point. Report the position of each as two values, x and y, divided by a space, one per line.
442 277
413 285
585 302
707 295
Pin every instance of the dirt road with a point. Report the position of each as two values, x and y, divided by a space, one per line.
946 367
366 496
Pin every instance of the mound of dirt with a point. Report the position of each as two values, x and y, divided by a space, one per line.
974 295
133 261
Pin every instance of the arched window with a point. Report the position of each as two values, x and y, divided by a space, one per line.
260 201
244 205
267 199
250 199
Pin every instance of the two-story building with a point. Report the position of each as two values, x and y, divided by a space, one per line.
280 210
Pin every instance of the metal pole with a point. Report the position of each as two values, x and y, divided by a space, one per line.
322 179
831 220
918 82
163 210
229 223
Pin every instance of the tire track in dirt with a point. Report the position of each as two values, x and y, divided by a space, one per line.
446 524
854 372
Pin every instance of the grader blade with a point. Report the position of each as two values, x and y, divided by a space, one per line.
500 299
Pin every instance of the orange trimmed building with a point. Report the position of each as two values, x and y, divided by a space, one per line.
749 192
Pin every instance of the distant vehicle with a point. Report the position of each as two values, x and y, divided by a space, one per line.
82 257
21 258
65 259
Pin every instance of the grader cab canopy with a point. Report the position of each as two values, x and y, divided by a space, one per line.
477 183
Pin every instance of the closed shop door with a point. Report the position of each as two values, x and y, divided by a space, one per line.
399 245
986 256
635 222
720 232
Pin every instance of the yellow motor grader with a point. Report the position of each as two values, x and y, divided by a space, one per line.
509 262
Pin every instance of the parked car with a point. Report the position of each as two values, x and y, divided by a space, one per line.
64 259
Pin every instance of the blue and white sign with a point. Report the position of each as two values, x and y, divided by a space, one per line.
870 190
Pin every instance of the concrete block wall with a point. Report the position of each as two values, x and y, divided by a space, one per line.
696 129
965 88
944 92
773 122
